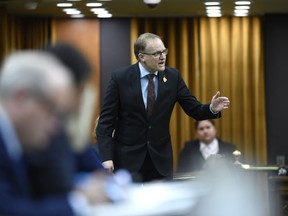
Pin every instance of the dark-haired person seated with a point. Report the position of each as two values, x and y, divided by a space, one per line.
36 91
53 169
195 152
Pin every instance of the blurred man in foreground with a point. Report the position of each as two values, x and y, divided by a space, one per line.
36 94
53 169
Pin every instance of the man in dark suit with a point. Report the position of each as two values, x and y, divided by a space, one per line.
35 89
195 152
141 142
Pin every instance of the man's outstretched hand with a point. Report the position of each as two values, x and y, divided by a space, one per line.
219 103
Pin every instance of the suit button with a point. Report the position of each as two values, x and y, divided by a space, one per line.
149 127
148 142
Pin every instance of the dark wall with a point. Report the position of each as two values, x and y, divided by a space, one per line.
114 49
276 84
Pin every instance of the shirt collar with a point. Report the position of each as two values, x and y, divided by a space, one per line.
144 72
209 149
8 133
212 145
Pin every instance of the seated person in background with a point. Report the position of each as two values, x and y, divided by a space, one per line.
195 152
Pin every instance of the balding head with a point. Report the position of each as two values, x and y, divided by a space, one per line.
39 73
34 88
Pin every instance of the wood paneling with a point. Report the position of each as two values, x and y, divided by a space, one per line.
83 34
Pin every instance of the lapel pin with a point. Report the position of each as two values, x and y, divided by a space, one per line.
164 79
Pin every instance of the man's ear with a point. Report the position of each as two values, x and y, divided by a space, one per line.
141 57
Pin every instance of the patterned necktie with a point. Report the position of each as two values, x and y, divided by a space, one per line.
151 94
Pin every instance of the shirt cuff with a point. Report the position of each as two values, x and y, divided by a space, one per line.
212 111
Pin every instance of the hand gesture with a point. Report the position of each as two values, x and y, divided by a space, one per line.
218 103
108 165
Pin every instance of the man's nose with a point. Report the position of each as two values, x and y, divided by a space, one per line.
162 56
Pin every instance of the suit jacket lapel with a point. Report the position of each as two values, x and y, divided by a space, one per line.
135 84
22 173
18 170
162 87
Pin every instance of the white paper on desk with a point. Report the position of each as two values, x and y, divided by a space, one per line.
159 198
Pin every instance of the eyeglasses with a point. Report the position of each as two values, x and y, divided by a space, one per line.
50 108
158 53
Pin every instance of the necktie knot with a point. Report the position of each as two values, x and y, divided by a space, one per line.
150 77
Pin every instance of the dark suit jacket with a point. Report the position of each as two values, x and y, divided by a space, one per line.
15 191
135 133
191 159
52 170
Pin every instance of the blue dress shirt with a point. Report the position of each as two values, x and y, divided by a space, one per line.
144 83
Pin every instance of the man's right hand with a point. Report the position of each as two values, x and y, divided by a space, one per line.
108 165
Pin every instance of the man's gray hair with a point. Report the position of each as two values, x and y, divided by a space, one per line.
141 42
33 71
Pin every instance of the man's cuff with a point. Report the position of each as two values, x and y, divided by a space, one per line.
212 111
